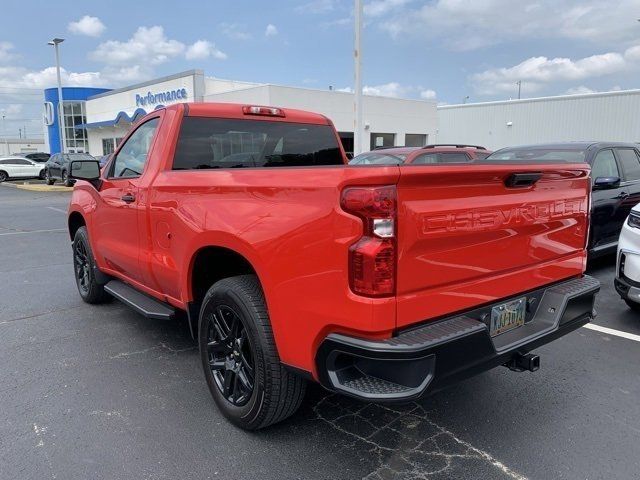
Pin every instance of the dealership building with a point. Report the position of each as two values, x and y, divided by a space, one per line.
605 116
101 118
95 120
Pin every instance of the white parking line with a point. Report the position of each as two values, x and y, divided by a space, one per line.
611 331
55 230
57 210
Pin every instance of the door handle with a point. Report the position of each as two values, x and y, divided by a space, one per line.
622 195
128 198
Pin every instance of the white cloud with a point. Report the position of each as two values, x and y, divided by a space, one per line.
537 72
235 31
581 90
391 89
87 25
317 7
465 25
428 94
5 51
394 90
204 49
20 78
378 8
147 45
271 30
12 109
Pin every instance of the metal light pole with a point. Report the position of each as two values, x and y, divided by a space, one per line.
4 134
63 146
358 133
519 83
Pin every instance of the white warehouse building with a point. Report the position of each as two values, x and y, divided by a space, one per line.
608 116
388 121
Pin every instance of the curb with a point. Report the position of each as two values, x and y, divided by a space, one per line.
38 188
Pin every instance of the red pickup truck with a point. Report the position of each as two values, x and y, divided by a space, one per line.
380 282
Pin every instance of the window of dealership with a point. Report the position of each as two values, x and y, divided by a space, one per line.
75 115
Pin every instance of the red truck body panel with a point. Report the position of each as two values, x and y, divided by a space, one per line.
467 240
288 224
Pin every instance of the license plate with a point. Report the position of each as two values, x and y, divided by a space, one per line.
508 316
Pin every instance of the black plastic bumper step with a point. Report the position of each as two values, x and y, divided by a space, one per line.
403 367
143 304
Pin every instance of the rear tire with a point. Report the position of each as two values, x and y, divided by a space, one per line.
47 177
633 305
235 339
83 266
66 180
3 176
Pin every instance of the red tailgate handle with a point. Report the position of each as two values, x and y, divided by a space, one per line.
521 180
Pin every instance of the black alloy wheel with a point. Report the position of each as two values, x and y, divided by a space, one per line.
248 382
3 176
82 267
231 357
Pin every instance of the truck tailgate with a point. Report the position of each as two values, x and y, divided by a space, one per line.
465 238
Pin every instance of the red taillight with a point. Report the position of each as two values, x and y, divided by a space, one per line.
264 111
372 259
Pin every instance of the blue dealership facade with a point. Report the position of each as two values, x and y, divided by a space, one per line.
74 99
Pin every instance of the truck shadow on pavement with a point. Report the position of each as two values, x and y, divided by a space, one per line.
406 441
377 441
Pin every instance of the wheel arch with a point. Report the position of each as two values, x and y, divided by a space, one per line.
75 221
227 262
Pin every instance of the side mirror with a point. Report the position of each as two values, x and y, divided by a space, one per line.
605 183
88 170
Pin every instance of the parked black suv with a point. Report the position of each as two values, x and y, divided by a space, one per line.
615 176
57 167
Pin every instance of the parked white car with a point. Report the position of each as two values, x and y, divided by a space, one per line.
627 281
20 167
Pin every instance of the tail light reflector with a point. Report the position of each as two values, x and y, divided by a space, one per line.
372 259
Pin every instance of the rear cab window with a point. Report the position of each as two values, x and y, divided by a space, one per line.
213 143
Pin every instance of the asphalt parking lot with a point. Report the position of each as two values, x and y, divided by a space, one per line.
101 392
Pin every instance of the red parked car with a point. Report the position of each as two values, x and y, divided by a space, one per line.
440 153
380 282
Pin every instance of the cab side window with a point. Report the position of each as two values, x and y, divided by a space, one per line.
630 163
132 157
604 165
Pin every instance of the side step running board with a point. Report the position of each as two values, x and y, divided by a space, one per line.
143 304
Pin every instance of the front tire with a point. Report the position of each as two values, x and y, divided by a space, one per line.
248 382
83 266
42 174
3 176
47 177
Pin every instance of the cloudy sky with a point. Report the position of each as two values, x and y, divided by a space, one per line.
444 50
